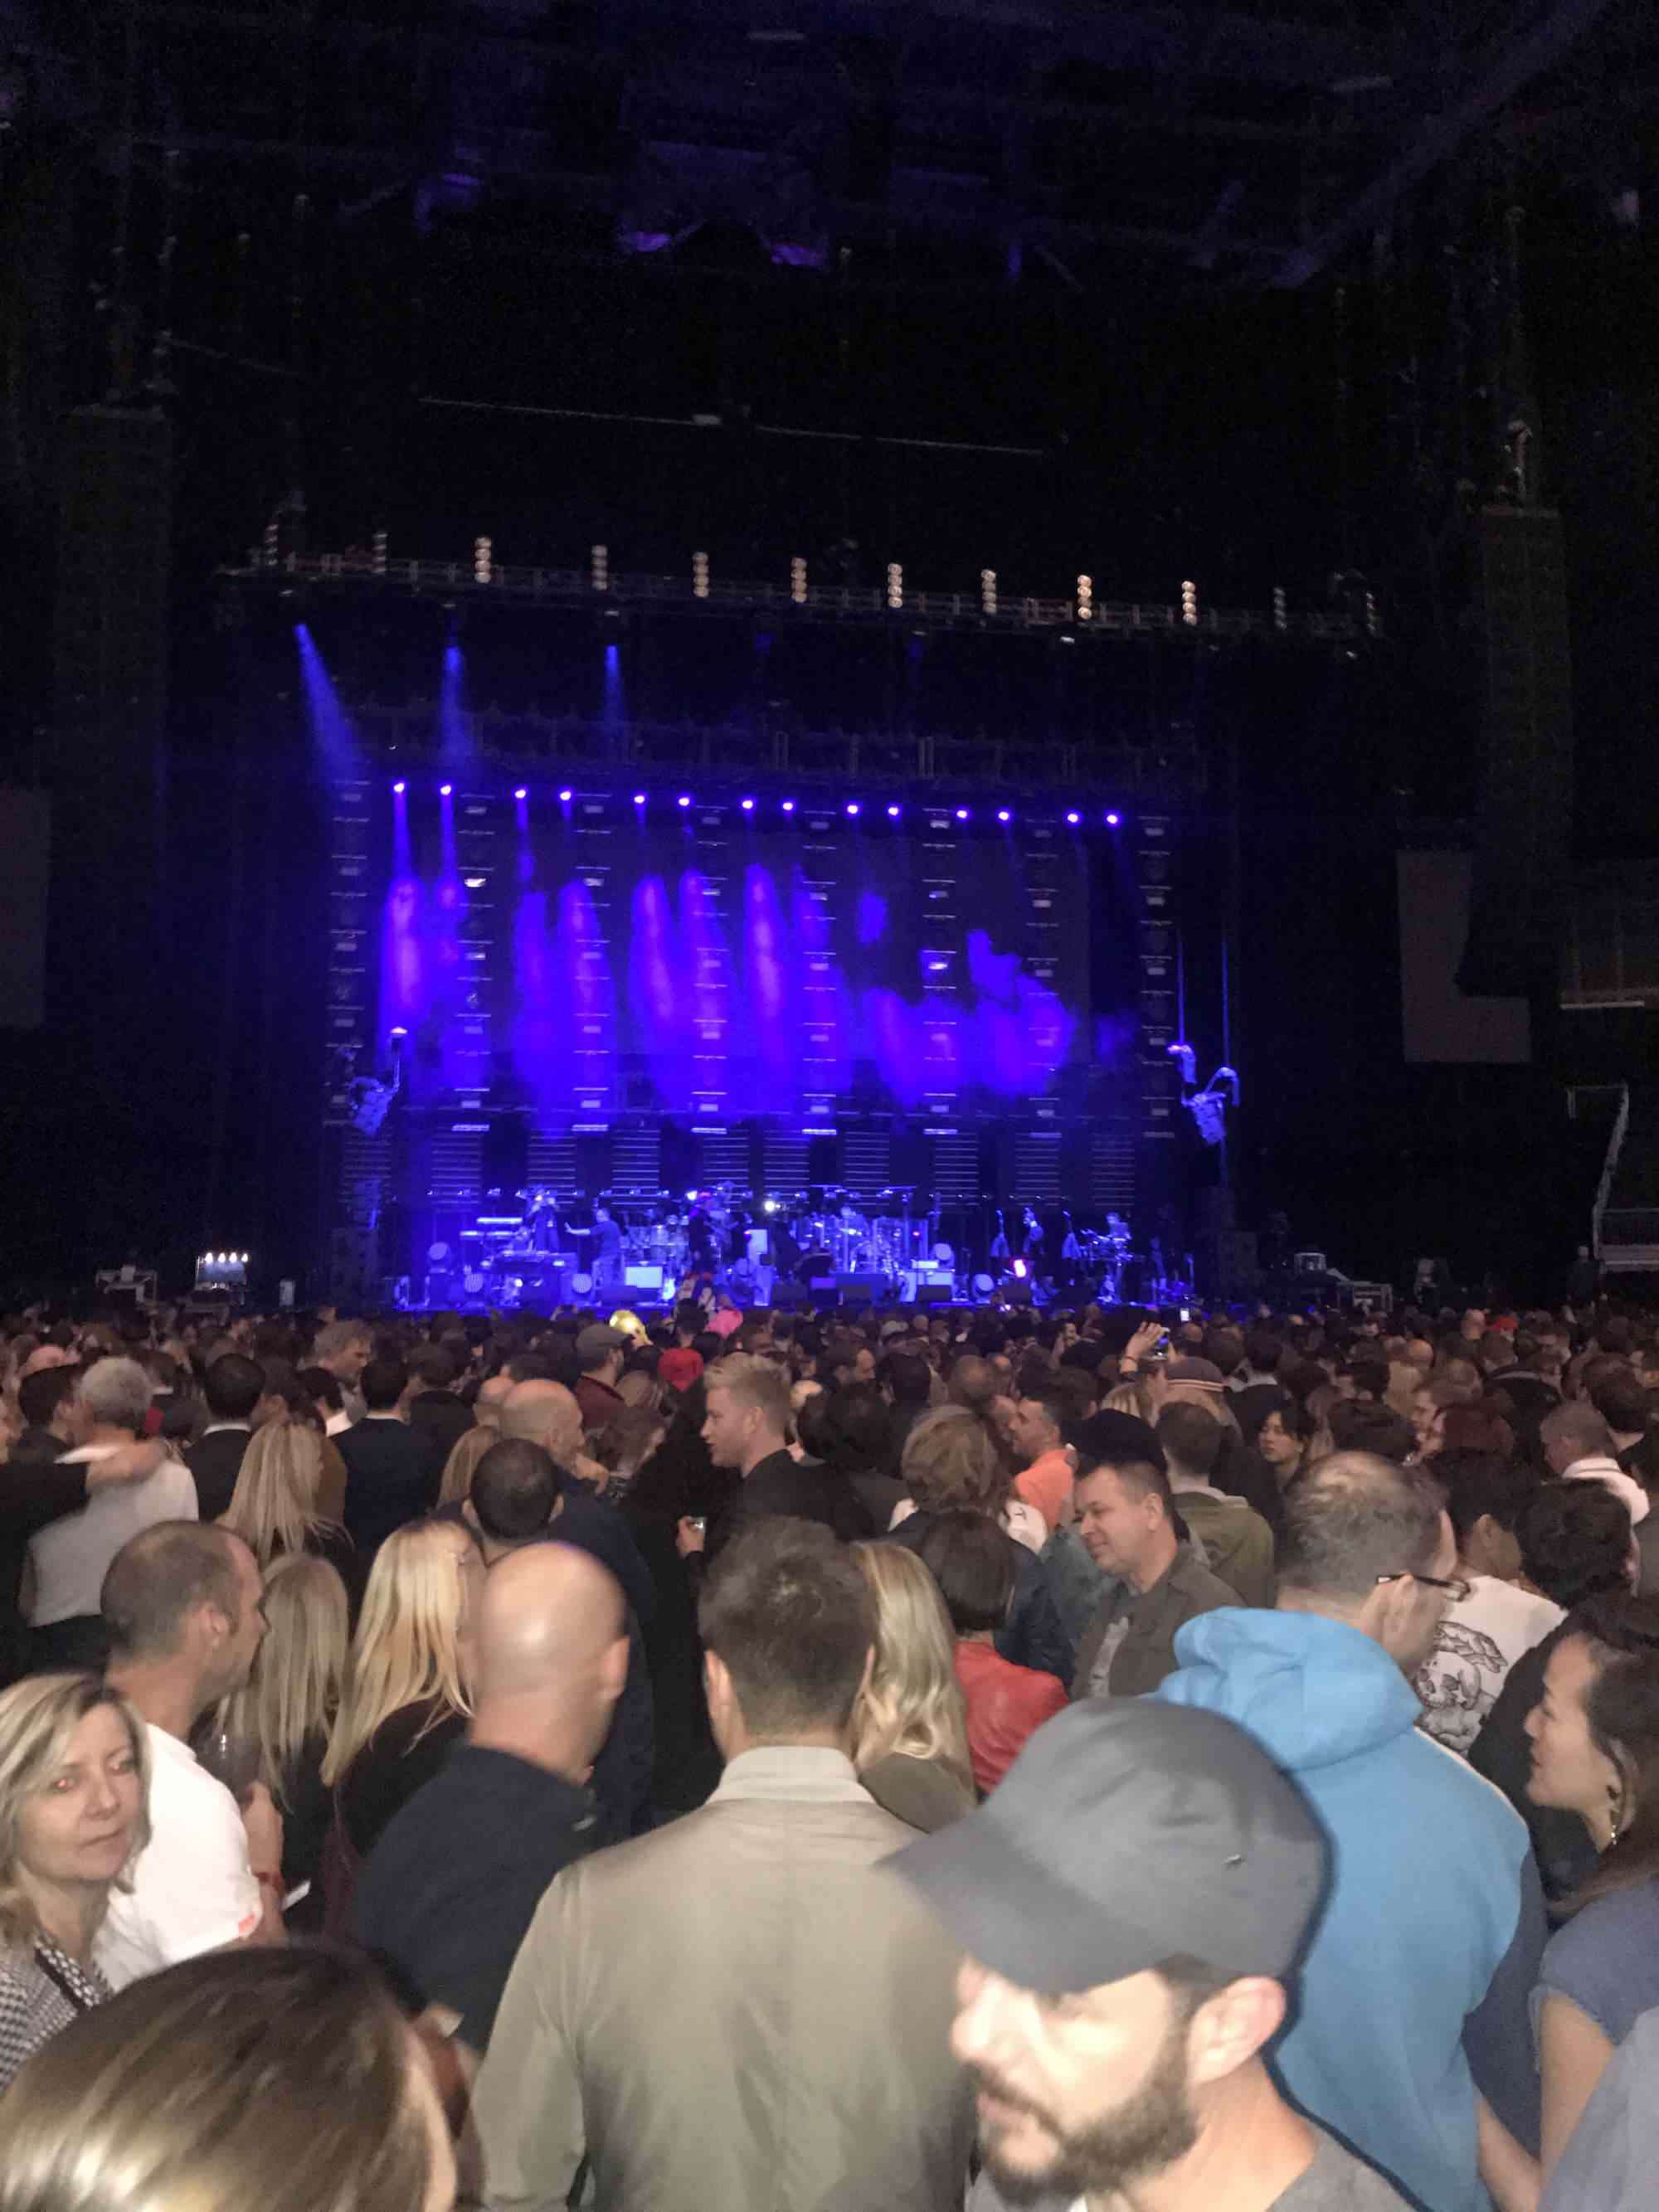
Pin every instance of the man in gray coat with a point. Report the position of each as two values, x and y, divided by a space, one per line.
747 2009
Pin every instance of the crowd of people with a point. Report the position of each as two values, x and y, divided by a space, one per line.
897 1758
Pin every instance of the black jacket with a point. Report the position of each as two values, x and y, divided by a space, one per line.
392 1476
1033 1635
216 1462
441 1417
37 1492
804 1491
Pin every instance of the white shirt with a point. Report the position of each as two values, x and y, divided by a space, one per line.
1599 1467
1480 1639
337 1424
192 1888
71 1556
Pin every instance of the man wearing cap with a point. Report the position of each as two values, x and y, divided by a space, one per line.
599 1354
1412 2028
1132 1900
1126 1516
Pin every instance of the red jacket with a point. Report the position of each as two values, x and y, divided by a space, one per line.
1005 1703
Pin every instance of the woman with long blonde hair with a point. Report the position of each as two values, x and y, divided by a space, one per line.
274 1507
910 1730
408 1698
290 1705
464 1454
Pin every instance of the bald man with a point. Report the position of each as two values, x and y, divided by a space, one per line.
547 1414
487 1406
454 1882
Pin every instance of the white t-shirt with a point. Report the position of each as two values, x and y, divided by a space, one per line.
1480 1639
71 1556
193 1888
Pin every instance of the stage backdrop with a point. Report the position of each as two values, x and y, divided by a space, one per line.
591 956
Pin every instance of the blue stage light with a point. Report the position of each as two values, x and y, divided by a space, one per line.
639 798
1004 815
523 792
445 789
400 787
1074 817
684 799
893 813
851 806
962 814
748 806
565 797
1112 821
788 805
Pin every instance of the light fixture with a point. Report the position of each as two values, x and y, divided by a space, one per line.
565 797
893 813
1189 602
1004 815
987 590
684 799
598 566
639 798
400 787
699 575
1112 820
483 556
748 806
445 790
962 814
895 587
851 806
798 580
788 805
1073 817
523 792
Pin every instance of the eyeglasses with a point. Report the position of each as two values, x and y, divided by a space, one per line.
1454 1585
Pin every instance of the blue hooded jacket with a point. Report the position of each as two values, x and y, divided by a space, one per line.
1428 1895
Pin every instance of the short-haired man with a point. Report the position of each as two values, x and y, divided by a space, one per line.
436 1410
344 1348
1417 1983
1036 1430
69 1558
600 1352
184 1606
745 2007
544 1413
1132 1901
231 1390
1238 1545
746 1427
456 1878
1577 1445
1126 1516
393 1475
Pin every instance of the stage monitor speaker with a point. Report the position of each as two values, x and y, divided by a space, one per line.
934 1294
654 1280
860 1290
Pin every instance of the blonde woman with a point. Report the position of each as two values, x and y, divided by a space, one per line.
74 1787
274 1507
407 1703
910 1731
289 1708
464 1456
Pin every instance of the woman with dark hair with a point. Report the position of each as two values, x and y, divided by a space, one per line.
1594 1736
1575 1544
850 1431
974 1563
1280 1434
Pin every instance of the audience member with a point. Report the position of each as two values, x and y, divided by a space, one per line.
343 1348
1577 1446
328 1398
909 1728
1575 1543
1036 1427
1414 1992
1481 1635
392 1474
275 2082
1612 2155
1126 1520
1131 1903
73 1779
275 1508
951 1461
69 1557
600 1355
974 1563
456 1484
1238 1545
436 1410
184 1608
454 1881
408 1699
746 1427
822 1987
232 1389
1594 1739
289 1708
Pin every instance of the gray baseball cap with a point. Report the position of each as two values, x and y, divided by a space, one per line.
1127 1832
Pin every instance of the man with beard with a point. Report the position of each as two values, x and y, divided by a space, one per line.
1131 1900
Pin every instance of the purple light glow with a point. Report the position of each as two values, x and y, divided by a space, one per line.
565 797
523 792
639 798
788 805
1074 817
1004 815
400 787
685 800
445 789
962 814
893 813
851 806
1112 821
748 806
